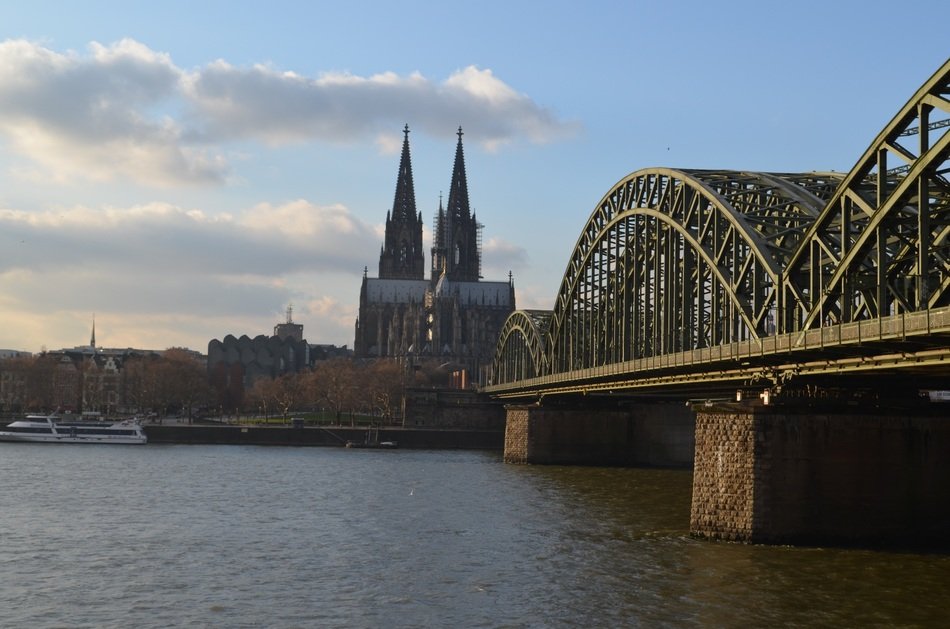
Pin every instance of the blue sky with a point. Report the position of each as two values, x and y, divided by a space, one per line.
185 170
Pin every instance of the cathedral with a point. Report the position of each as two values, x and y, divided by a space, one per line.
453 317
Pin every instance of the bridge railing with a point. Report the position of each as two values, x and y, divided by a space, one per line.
768 357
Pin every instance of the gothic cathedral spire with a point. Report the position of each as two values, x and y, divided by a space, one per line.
402 256
457 239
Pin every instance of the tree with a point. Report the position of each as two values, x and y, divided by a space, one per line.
287 392
140 388
333 384
180 381
259 396
40 383
14 378
228 381
279 395
385 383
91 385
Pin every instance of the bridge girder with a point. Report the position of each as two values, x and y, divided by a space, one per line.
881 245
677 261
520 351
674 260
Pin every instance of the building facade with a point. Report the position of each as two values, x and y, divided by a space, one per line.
235 363
454 316
82 379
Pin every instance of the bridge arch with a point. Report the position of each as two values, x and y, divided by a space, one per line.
881 245
520 351
673 260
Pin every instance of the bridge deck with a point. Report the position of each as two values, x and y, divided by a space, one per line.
902 343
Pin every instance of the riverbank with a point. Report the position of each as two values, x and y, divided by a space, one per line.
331 436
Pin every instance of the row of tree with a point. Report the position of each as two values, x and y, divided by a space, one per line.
175 383
132 383
342 385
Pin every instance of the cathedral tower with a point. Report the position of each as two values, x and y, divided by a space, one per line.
402 256
456 250
454 317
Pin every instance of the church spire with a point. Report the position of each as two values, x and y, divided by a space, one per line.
458 191
460 238
401 256
404 205
92 339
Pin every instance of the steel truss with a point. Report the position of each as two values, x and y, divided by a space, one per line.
520 352
674 261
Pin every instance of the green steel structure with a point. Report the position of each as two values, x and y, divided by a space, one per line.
685 276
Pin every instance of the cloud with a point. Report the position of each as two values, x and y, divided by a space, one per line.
500 256
124 111
143 266
277 107
511 114
163 239
103 116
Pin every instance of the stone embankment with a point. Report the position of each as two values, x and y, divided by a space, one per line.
323 436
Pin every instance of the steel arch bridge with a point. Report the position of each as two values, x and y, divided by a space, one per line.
684 276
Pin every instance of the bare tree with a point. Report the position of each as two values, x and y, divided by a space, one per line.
139 386
287 391
385 384
15 377
40 392
334 384
180 381
259 397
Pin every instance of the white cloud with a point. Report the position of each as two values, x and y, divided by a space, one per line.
277 107
124 111
162 238
100 117
483 85
389 143
500 256
302 220
144 266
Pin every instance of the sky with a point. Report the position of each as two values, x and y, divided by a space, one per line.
181 171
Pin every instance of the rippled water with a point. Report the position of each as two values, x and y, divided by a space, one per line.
231 536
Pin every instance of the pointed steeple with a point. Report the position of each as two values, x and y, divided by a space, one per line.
458 191
92 340
438 243
404 205
460 230
401 256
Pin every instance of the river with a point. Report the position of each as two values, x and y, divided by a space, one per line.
235 536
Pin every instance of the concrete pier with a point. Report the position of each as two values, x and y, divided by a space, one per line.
659 435
764 474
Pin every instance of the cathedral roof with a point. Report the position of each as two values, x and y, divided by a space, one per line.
475 293
393 291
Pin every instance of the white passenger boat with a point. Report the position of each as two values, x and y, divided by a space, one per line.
53 429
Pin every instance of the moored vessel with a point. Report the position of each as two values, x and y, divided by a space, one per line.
52 429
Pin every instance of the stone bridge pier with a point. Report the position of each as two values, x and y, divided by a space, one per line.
811 476
768 474
578 433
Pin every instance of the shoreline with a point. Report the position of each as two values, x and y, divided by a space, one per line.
325 436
